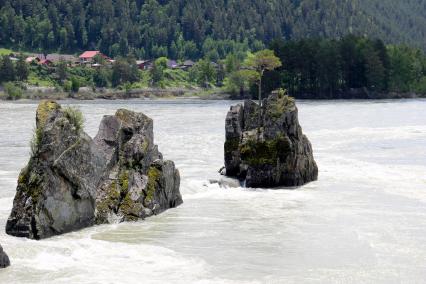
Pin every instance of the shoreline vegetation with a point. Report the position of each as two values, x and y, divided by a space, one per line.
153 94
86 94
180 93
37 93
349 68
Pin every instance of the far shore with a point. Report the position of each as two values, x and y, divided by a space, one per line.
40 93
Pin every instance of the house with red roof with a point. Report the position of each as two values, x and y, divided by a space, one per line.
88 56
45 62
32 59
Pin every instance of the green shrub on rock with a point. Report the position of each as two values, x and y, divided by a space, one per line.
75 117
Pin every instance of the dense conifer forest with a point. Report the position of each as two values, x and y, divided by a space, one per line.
197 28
350 67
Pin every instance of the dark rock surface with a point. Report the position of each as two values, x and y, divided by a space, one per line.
4 259
72 182
265 145
139 182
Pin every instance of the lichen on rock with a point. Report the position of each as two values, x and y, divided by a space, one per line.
144 184
265 146
44 109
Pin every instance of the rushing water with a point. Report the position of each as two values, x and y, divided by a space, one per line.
364 220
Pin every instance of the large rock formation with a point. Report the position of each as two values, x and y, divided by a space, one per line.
139 183
4 259
265 145
73 181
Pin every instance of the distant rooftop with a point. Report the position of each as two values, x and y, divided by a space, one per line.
89 54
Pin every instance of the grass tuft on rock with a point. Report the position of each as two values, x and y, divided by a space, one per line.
75 117
281 105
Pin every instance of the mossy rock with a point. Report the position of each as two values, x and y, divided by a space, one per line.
44 109
282 104
30 182
124 181
126 116
130 209
268 152
154 178
109 204
231 145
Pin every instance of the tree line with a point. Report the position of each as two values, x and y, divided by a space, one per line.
323 68
309 68
181 29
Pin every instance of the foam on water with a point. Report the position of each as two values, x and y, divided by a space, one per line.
364 220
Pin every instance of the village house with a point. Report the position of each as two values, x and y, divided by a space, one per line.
51 59
172 64
32 59
56 58
143 64
87 57
45 62
187 64
39 56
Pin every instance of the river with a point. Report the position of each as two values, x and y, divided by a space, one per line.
363 221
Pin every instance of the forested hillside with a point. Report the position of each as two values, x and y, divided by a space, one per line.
195 28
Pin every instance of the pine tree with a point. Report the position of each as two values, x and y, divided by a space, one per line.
261 61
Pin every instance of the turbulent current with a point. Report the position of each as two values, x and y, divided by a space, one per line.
364 220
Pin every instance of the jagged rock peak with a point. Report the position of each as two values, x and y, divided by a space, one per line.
265 146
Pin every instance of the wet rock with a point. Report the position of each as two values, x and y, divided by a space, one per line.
4 259
265 146
55 190
72 182
140 183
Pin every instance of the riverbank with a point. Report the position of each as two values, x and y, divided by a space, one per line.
361 94
50 93
38 93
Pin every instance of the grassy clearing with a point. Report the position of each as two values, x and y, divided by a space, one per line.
5 51
35 80
176 79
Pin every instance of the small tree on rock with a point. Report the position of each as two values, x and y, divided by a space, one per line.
260 62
